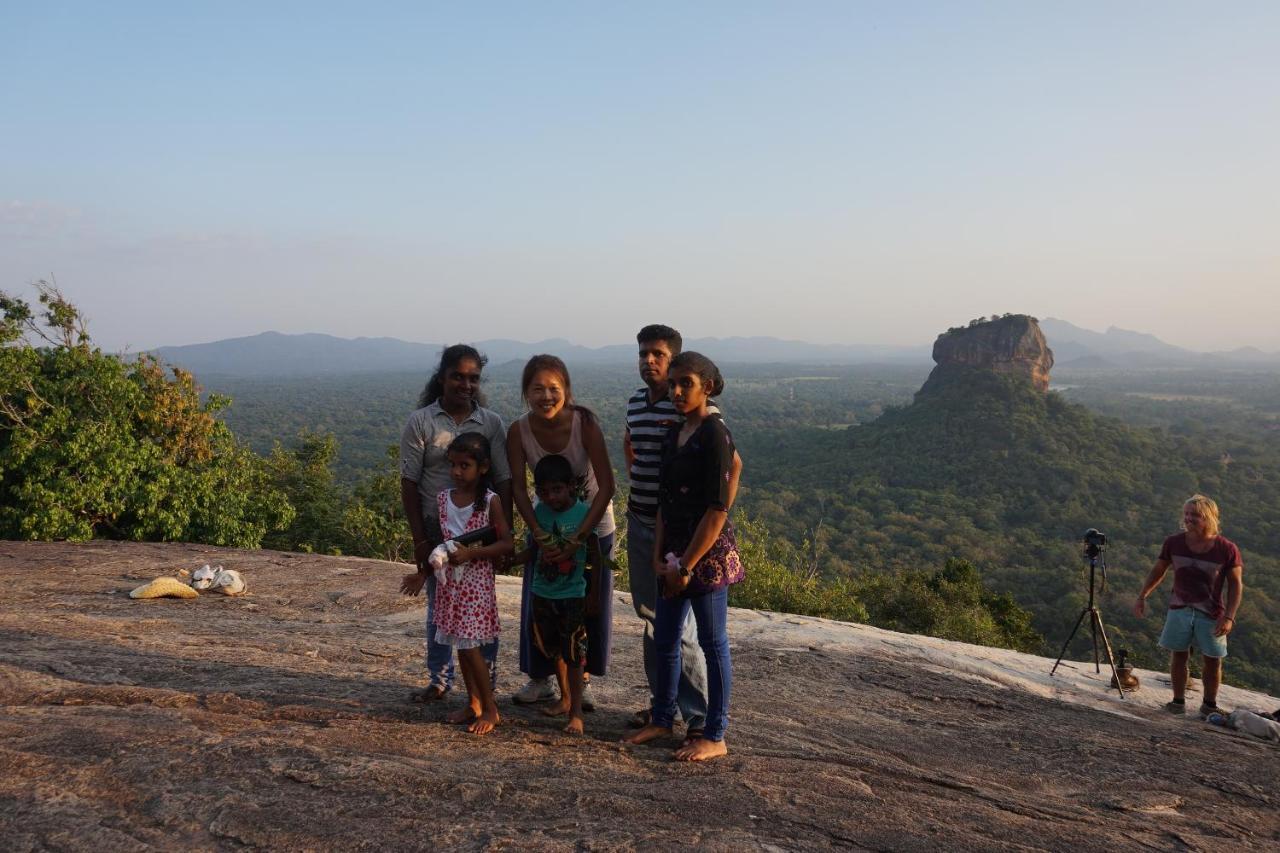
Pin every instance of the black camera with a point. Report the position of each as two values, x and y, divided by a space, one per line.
1095 541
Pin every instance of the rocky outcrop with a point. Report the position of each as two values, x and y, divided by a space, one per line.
277 720
1012 345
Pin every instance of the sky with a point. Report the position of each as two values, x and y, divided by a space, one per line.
843 172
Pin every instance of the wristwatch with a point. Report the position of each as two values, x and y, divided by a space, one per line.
682 568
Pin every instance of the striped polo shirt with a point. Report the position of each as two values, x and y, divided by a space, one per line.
647 424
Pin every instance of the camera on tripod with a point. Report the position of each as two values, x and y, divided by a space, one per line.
1095 547
1095 542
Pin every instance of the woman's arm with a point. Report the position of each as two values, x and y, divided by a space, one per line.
708 530
721 468
412 502
520 479
598 455
670 582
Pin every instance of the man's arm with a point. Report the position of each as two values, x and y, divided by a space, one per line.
627 452
1154 577
1235 590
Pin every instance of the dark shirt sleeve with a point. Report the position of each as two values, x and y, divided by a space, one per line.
1233 557
1165 553
719 464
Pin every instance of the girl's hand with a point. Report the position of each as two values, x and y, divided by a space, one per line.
673 583
460 555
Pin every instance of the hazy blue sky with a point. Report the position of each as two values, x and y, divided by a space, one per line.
834 172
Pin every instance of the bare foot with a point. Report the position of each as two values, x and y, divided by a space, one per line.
463 715
690 736
574 726
557 710
702 750
484 723
646 734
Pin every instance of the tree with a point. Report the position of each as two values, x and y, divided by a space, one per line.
92 445
373 520
305 475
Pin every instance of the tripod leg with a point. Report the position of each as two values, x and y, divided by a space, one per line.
1070 637
1106 644
1093 629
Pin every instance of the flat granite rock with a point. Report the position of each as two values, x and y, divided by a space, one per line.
279 720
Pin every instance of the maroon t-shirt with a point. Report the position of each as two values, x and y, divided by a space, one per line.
1198 576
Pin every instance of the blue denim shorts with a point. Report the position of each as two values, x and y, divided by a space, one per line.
1185 624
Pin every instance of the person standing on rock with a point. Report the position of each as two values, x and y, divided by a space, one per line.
555 424
1203 561
451 404
695 555
466 611
650 414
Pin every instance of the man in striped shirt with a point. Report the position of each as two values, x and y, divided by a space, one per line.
650 414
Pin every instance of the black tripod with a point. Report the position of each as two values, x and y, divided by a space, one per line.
1095 552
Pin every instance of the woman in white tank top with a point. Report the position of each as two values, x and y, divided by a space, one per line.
555 425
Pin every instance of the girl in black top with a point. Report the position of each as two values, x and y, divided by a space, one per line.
695 555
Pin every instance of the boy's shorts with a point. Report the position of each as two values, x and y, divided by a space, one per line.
1184 624
560 628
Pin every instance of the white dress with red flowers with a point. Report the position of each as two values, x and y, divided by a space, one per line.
466 612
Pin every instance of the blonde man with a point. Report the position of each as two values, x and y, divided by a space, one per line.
1203 561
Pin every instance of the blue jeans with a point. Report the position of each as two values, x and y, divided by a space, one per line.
440 655
710 611
691 692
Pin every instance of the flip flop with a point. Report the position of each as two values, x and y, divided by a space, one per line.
639 719
429 694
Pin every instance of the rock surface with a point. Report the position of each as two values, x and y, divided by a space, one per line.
1011 345
278 719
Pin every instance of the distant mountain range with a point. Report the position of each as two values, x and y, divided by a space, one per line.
277 354
1076 347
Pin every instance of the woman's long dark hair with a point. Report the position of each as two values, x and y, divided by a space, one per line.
555 365
476 446
449 359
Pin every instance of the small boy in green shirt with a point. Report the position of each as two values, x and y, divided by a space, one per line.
561 585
